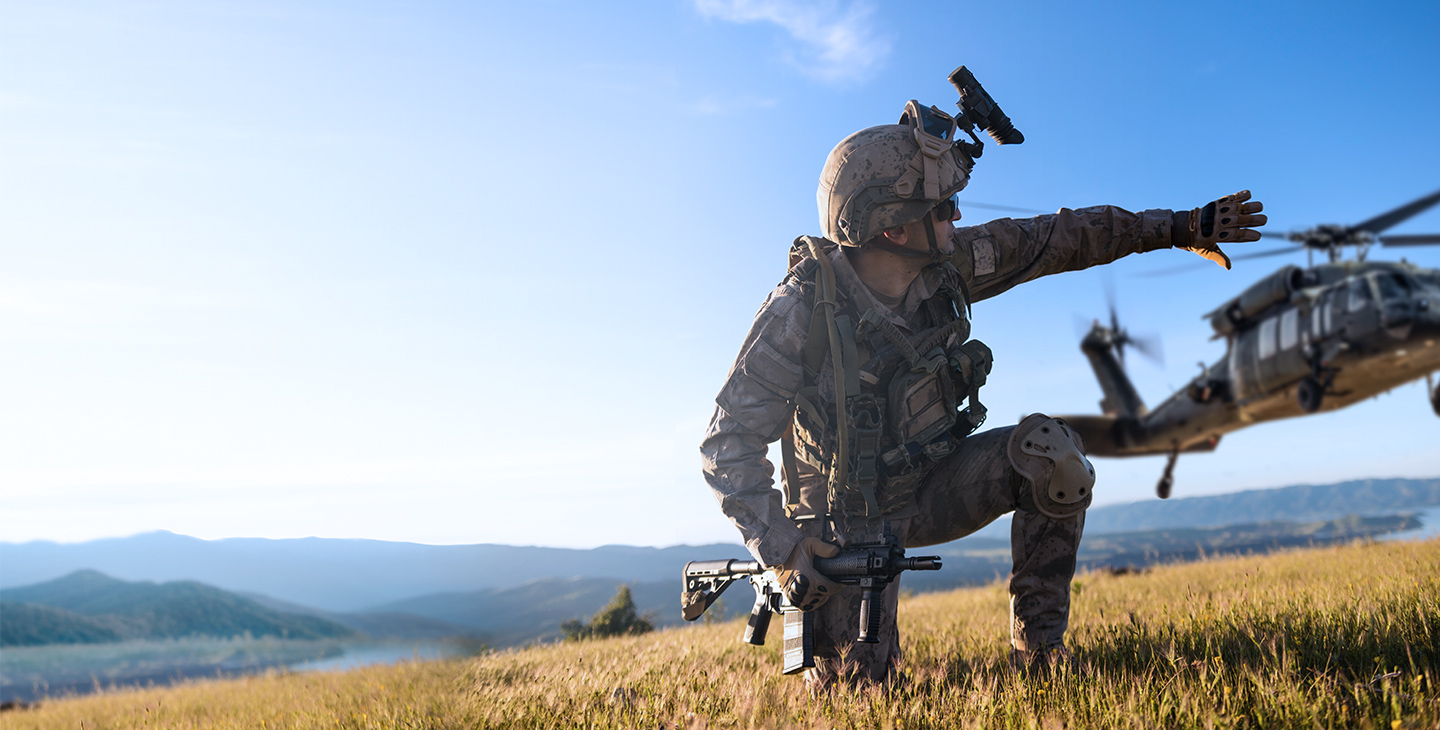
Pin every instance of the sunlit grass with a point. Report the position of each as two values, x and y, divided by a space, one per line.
1332 637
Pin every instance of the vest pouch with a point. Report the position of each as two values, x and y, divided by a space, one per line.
922 408
810 440
922 412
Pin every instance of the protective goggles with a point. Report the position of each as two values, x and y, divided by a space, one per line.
934 122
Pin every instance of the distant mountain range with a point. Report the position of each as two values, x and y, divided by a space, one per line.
407 589
340 575
1288 504
90 607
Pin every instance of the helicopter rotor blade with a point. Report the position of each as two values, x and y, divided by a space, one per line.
1419 239
1007 208
1196 265
1107 289
1083 325
1274 234
1266 254
1385 220
1149 345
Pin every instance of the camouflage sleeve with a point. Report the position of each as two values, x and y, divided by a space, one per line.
752 412
995 256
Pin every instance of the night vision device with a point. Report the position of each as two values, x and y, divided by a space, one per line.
977 109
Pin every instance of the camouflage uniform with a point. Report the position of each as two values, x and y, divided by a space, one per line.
961 493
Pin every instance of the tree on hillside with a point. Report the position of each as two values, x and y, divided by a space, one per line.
617 618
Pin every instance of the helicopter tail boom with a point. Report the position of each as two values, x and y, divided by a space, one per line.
1121 399
1117 436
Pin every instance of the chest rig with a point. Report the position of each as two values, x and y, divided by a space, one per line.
895 409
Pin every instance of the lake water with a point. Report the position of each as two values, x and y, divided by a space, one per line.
364 655
28 673
1429 527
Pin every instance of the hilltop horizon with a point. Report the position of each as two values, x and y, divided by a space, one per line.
1149 505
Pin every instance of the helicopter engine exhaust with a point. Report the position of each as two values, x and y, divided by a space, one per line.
1277 287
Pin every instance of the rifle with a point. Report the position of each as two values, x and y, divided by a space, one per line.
871 566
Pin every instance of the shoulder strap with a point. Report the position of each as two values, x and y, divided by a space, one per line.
826 302
964 292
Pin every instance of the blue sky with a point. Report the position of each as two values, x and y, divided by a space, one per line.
470 272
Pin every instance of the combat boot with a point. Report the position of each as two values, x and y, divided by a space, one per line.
1043 662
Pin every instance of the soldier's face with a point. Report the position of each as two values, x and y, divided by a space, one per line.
916 239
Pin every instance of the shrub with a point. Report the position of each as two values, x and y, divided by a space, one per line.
617 618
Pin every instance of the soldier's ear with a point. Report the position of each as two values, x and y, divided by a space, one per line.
896 235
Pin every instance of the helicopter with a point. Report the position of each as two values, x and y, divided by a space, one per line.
1299 341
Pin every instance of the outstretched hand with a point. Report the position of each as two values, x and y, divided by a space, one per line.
1229 219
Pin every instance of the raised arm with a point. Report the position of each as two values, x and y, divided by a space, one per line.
1001 254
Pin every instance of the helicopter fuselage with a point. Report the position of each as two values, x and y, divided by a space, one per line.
1300 341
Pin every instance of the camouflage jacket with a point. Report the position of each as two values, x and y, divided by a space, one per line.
756 403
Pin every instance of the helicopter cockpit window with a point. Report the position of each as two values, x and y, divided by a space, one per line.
1359 294
1392 288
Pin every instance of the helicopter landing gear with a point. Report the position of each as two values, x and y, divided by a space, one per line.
1167 480
1310 394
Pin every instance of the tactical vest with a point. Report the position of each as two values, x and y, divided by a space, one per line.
894 415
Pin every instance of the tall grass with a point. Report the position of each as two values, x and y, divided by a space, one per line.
1333 637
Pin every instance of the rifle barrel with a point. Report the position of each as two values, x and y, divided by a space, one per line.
927 562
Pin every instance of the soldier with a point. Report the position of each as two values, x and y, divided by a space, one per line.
860 360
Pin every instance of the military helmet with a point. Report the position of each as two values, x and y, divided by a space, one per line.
884 177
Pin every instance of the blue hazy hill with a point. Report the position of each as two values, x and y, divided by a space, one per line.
1287 504
91 607
340 575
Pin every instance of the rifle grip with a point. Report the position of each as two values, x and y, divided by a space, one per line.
872 608
759 623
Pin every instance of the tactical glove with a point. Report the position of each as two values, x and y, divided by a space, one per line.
1226 220
805 587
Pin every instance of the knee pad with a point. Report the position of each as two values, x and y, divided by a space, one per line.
1051 456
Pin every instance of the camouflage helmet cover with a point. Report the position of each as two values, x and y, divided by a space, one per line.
884 177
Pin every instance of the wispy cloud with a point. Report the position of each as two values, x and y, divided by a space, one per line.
838 40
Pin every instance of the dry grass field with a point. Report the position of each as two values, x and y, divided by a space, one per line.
1332 637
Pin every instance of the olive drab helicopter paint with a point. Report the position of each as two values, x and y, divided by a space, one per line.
1299 341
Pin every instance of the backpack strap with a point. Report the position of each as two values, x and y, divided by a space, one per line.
840 334
826 302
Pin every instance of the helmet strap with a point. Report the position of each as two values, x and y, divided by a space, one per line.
881 243
934 255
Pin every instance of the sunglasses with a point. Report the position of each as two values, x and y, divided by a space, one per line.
946 209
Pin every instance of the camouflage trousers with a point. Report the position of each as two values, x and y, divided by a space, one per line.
968 490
